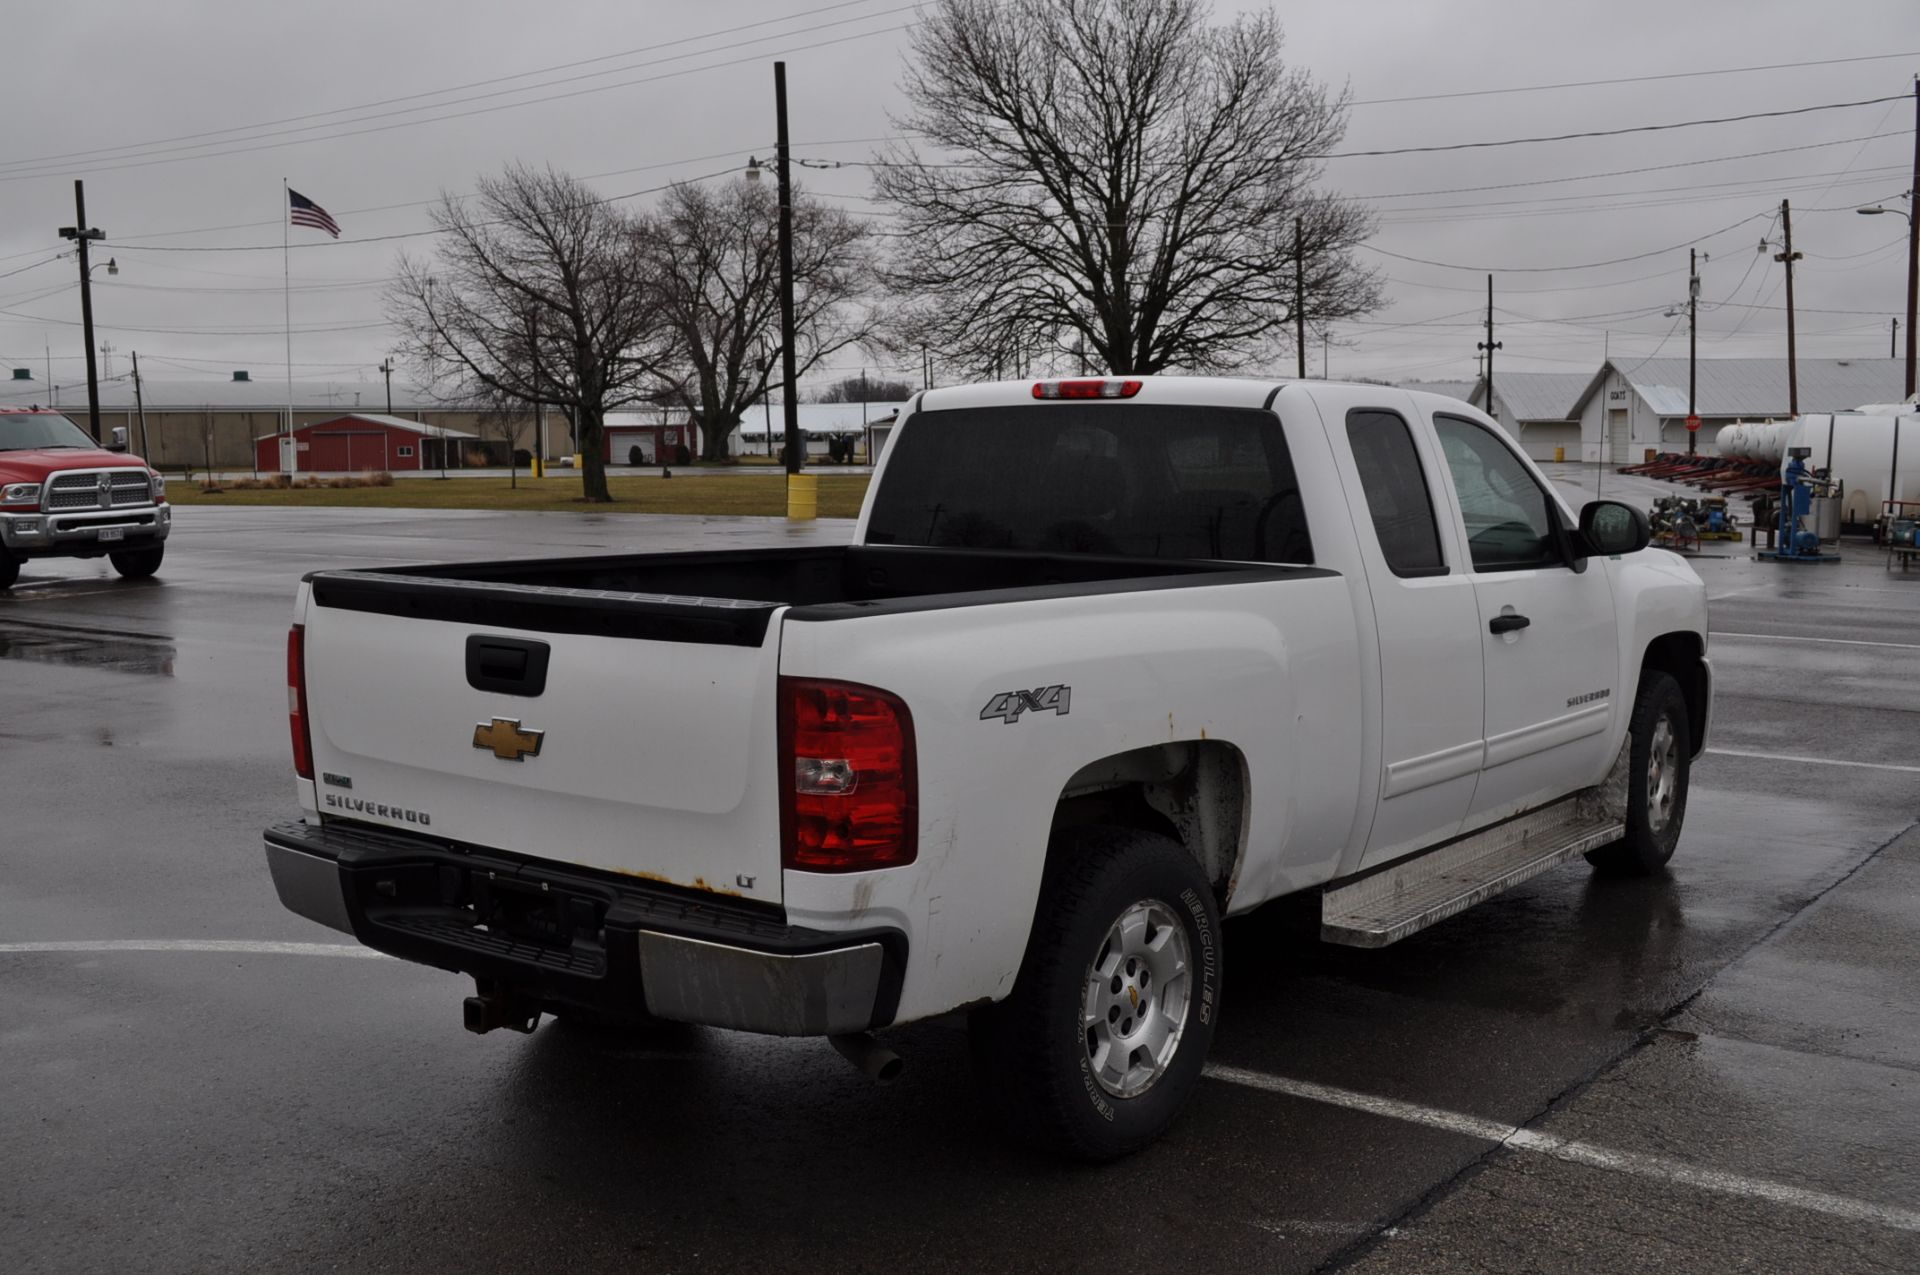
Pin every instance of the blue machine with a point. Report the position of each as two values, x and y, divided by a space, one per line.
1796 542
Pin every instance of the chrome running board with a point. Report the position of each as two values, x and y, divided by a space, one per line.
1402 898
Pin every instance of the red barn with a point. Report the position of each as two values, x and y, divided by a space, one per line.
365 442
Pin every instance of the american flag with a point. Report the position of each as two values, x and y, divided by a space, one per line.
308 213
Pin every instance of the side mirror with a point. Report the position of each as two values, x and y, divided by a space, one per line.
1611 527
119 443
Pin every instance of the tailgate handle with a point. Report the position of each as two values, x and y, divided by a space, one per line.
508 666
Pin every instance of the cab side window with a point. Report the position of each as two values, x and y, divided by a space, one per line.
1397 495
1510 525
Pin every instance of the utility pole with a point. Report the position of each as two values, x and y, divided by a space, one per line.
1490 345
1326 348
1300 299
140 407
789 378
1913 236
82 235
1693 347
1788 256
386 370
1893 342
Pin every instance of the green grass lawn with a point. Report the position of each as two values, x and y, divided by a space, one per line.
763 495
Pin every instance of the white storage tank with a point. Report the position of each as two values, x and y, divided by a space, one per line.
1876 455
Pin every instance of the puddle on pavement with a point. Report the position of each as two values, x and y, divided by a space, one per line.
115 650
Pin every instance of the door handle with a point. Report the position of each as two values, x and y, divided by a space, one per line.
1507 623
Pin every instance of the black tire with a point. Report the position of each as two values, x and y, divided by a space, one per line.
1653 824
9 569
1031 1050
138 564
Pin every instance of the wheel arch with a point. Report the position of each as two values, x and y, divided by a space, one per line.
1682 656
1194 791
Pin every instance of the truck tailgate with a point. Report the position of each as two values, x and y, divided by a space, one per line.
655 755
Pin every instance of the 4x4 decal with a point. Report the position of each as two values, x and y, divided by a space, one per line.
1008 705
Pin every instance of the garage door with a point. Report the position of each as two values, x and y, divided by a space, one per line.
1619 438
346 451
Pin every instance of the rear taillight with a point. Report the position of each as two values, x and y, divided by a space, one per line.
1086 389
297 701
849 793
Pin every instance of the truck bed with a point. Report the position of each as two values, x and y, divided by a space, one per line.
728 597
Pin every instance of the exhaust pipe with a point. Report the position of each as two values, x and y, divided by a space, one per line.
484 1013
868 1056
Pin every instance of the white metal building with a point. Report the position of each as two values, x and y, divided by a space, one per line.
1631 407
1537 409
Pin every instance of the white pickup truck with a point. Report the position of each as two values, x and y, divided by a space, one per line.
1105 661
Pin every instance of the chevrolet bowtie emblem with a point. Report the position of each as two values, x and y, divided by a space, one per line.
507 739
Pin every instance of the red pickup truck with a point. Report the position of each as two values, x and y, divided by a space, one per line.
62 495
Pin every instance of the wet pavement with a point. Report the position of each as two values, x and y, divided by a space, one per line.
1717 1069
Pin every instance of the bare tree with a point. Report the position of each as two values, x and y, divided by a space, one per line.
1116 176
714 254
866 389
537 292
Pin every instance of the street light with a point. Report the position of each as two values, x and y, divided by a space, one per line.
1913 262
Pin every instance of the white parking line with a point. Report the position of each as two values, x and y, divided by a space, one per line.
1574 1152
1570 1150
1814 761
1778 637
249 947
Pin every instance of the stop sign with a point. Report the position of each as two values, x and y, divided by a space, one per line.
1693 423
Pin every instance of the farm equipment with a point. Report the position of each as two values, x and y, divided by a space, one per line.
1682 522
1799 487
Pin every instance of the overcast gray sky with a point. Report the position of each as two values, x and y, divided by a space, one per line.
181 116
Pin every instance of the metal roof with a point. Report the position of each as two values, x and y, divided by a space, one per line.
389 422
816 419
1536 396
1758 387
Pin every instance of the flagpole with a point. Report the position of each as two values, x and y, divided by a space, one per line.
290 463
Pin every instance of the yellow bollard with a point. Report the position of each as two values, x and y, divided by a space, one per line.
1559 455
579 460
803 497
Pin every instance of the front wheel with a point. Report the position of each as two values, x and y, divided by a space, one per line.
137 564
1102 1041
9 569
1659 744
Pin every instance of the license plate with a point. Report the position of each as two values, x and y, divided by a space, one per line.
112 533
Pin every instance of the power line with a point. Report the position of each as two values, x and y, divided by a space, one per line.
1631 79
489 82
35 266
60 170
1587 265
1612 132
1630 172
1598 207
422 203
1593 199
407 234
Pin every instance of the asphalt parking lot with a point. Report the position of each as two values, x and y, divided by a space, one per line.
1717 1069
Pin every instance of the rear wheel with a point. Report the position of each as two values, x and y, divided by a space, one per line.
1102 1041
1660 744
138 564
